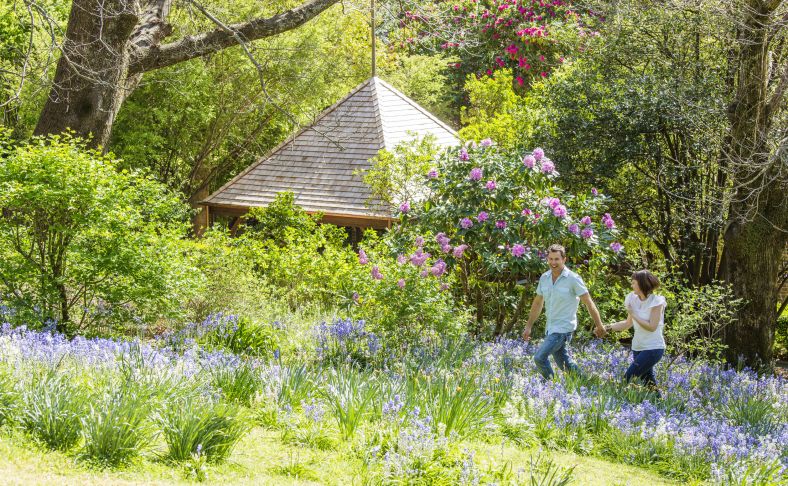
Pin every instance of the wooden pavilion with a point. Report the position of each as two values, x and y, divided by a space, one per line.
320 163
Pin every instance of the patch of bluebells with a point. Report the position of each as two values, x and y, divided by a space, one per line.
693 413
346 340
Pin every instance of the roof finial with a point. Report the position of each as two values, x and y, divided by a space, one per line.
372 9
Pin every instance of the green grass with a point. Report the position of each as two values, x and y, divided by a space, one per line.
262 458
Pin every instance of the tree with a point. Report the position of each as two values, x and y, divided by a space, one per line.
110 45
756 152
678 112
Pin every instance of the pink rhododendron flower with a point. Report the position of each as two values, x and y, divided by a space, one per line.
432 174
401 283
362 257
518 250
482 217
404 207
439 268
587 233
586 220
527 212
500 224
491 185
574 229
559 211
459 250
486 142
464 154
616 246
466 223
419 257
529 161
476 174
401 259
538 153
419 241
547 166
376 273
608 221
442 239
594 191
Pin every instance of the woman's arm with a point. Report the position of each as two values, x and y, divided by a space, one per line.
653 322
620 325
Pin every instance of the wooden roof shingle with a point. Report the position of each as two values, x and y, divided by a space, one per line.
318 164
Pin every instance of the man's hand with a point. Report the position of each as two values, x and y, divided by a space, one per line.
527 333
600 332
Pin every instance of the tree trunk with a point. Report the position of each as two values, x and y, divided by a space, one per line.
755 237
90 79
110 44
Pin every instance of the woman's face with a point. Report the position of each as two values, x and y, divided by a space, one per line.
635 286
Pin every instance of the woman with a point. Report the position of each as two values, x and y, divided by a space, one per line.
646 311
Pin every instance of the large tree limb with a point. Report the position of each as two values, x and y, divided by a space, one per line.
156 57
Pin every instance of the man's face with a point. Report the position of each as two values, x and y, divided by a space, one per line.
555 260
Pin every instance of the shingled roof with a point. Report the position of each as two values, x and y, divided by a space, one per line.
318 164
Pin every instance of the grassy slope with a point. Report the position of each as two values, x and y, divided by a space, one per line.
261 457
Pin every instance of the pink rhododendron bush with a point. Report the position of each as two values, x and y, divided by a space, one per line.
482 227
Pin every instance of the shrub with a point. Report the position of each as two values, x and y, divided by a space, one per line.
195 426
117 427
53 408
8 396
490 214
237 381
696 318
404 299
305 262
82 243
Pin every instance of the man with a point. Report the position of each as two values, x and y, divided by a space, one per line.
559 290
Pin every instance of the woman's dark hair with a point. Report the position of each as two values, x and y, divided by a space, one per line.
646 281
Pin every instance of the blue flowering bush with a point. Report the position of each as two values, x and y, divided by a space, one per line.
489 215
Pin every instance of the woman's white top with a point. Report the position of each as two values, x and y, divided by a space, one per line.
641 309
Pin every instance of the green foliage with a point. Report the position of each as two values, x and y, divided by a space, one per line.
281 220
781 337
398 176
196 427
305 262
695 318
349 395
456 405
406 304
237 383
117 427
494 110
242 336
53 408
83 243
9 398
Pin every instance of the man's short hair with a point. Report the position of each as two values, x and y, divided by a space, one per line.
557 248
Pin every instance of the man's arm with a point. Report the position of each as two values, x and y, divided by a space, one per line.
536 309
589 303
